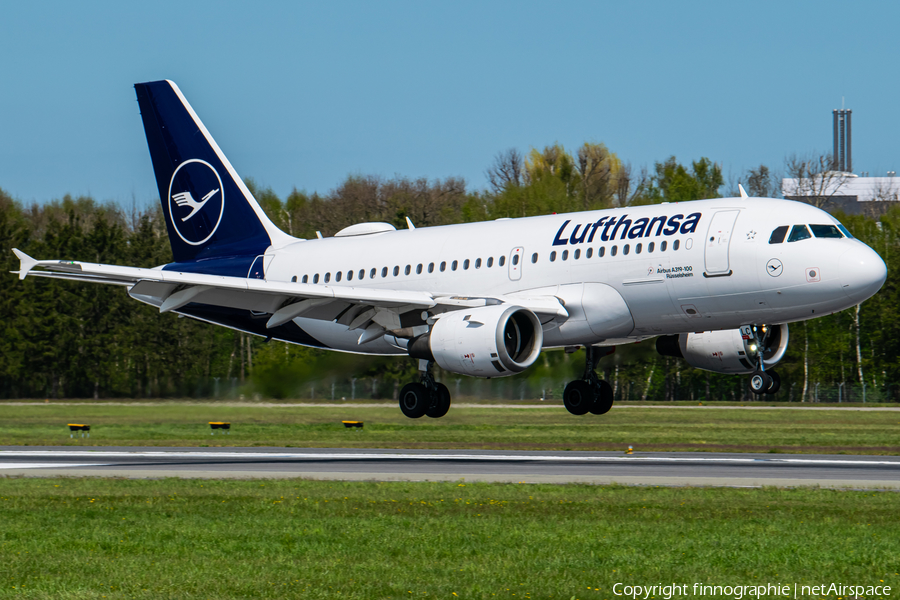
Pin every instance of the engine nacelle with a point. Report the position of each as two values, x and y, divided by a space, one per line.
726 351
488 341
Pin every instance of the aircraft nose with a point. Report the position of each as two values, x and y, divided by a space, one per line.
862 272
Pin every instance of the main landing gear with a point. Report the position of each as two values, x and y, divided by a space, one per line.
590 394
761 381
427 397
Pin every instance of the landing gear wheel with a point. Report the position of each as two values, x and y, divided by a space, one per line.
760 382
578 397
776 382
603 398
441 403
414 400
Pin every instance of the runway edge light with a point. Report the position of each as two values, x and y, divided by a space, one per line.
224 426
82 427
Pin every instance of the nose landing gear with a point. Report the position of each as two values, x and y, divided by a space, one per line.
425 398
761 381
590 394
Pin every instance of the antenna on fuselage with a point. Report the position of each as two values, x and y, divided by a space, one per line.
743 193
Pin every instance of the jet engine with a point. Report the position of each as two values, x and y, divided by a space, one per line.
726 351
488 341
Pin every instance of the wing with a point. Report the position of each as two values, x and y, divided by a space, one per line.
374 310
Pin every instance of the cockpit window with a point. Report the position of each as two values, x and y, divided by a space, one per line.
844 231
825 231
778 235
799 232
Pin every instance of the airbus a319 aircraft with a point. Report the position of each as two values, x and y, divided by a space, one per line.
716 281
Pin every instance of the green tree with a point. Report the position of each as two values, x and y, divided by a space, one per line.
673 183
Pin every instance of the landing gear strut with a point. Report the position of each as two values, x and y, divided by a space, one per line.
761 381
427 397
590 394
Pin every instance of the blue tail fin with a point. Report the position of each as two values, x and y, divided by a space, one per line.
210 213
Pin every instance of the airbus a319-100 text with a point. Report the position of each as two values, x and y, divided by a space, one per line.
716 281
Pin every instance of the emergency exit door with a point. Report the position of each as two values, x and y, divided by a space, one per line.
515 263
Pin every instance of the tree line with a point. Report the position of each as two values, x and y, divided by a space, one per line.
64 339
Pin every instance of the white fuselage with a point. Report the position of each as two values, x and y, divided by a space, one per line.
714 270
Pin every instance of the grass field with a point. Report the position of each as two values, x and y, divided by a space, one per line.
483 427
104 538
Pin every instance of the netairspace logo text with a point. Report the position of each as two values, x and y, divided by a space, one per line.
738 592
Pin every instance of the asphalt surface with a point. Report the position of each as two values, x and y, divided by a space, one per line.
640 468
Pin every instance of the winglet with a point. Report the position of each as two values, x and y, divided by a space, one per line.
409 224
26 263
743 193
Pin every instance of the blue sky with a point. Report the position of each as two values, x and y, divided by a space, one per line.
303 94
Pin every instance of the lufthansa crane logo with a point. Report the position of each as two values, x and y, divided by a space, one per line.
195 221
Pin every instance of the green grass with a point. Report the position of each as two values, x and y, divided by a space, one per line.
105 538
544 428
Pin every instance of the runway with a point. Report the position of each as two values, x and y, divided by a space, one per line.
660 468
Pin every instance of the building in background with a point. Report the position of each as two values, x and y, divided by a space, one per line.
829 182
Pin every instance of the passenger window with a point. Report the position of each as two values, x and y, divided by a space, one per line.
337 276
650 247
477 263
453 265
490 262
825 231
778 235
637 249
601 252
306 279
565 255
626 249
614 251
553 256
327 277
396 270
676 244
662 246
443 266
362 273
515 259
419 269
431 267
407 270
589 253
502 261
798 233
294 279
384 271
534 258
316 278
466 265
577 254
349 275
372 273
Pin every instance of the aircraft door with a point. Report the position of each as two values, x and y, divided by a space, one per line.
718 240
256 269
516 258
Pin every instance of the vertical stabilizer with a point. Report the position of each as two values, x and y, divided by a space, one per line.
210 213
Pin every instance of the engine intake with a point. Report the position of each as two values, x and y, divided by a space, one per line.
489 341
726 351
